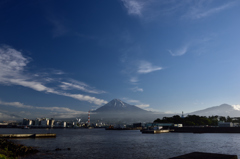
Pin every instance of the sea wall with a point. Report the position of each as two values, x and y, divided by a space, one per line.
207 130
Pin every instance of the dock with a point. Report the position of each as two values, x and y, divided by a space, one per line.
207 130
26 135
155 131
201 155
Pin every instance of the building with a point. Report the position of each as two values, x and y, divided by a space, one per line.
27 122
37 121
158 125
178 125
60 124
51 122
225 124
44 122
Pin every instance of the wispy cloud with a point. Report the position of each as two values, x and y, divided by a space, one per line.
146 67
136 103
134 69
179 52
12 72
57 111
73 84
134 7
143 105
200 10
153 10
137 89
134 80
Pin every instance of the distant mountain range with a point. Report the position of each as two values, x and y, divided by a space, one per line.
222 110
117 109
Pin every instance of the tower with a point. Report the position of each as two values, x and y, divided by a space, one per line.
88 118
182 115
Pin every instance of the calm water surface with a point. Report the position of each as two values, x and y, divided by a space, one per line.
100 143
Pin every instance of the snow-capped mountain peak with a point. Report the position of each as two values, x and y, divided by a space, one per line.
117 105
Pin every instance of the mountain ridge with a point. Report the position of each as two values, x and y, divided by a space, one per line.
221 110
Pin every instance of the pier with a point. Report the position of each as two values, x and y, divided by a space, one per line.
201 155
207 130
155 131
26 135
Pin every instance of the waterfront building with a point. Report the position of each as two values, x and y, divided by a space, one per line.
63 124
44 122
51 122
178 125
225 124
158 125
135 125
37 121
27 122
60 124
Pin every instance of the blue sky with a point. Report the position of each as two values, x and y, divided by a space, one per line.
61 58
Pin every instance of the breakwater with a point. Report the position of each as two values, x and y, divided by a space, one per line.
26 135
207 130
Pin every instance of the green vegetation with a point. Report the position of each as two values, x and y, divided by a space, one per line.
9 150
194 120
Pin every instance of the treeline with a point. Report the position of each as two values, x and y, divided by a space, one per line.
195 120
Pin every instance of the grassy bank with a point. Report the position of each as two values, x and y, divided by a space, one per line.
10 150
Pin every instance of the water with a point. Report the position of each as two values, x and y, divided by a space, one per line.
100 143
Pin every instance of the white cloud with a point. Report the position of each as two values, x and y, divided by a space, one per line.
137 89
179 52
12 72
137 103
134 7
85 98
146 67
73 84
133 80
55 109
15 104
143 105
11 62
236 107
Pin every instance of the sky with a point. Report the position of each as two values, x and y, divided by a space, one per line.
63 58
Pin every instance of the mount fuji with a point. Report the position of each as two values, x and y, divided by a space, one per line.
117 110
118 106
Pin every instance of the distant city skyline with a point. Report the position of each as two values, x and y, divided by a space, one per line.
61 59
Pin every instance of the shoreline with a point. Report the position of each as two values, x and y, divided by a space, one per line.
10 149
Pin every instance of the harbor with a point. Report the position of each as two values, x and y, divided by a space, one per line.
101 143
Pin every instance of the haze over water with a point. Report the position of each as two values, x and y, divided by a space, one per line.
100 143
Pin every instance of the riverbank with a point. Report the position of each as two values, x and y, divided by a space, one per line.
9 149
